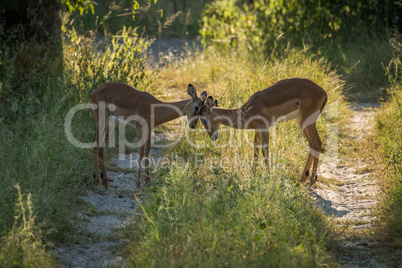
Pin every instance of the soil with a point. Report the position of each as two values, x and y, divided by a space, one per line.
112 209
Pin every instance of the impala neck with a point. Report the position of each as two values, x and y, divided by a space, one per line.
230 117
167 111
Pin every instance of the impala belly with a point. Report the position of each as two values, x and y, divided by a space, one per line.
289 116
283 111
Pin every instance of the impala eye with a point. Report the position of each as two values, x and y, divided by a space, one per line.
196 108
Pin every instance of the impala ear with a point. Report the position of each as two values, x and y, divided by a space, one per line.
203 95
209 103
192 91
216 103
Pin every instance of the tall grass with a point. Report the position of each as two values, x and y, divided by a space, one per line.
22 245
389 154
211 207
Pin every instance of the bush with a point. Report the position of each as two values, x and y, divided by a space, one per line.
123 58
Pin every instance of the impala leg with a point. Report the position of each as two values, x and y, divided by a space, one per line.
141 148
306 171
104 138
95 152
147 160
312 129
265 147
102 144
95 148
257 147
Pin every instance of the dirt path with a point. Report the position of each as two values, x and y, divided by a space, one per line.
348 192
110 211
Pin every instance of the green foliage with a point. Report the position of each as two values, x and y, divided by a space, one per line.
22 246
152 18
122 59
258 24
80 5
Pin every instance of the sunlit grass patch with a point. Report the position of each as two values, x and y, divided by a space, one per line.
389 137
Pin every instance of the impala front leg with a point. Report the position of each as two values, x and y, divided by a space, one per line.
147 159
101 149
141 148
265 147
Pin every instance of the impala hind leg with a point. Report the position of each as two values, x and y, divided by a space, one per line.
316 142
95 151
141 149
310 158
95 148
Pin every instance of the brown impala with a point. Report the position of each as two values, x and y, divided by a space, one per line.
296 99
139 109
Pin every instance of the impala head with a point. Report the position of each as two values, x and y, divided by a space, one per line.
196 104
207 117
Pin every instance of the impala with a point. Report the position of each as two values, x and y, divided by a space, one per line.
141 110
296 99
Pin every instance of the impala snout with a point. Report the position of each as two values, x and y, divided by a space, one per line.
192 122
214 136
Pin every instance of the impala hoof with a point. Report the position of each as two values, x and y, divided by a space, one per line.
304 176
312 181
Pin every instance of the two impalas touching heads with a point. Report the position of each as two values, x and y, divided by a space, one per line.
295 99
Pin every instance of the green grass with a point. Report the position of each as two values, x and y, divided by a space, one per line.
218 218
